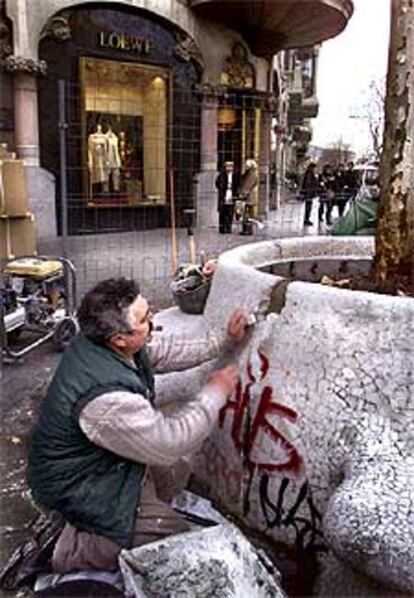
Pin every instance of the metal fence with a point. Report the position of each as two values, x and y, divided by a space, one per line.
115 214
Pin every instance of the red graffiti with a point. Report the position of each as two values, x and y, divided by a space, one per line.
245 434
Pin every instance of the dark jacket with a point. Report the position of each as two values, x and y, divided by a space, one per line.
221 186
309 187
94 489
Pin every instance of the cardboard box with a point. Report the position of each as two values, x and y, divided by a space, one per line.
14 200
17 237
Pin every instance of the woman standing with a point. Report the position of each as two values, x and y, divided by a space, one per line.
248 183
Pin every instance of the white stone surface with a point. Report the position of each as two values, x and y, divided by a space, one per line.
217 561
317 446
262 254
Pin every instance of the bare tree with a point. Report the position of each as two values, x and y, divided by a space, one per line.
394 258
338 152
374 111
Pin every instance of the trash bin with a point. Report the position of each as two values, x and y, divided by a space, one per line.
191 301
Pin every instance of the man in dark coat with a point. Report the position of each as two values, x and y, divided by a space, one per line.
227 184
326 184
309 191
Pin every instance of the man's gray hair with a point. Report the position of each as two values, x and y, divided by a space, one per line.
106 309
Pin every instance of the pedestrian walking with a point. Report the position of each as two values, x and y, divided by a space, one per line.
309 191
326 184
341 191
351 181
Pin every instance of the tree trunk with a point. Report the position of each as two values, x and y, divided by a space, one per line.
394 258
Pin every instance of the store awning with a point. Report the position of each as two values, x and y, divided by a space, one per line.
269 26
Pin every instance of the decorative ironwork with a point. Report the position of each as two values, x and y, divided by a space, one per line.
186 50
238 72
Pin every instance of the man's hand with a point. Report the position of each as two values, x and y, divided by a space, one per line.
209 268
236 328
224 380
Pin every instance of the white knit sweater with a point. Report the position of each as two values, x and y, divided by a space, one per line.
127 424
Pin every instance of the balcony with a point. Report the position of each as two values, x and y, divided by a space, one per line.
300 109
269 26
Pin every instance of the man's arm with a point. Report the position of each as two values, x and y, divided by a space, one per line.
128 425
176 352
169 352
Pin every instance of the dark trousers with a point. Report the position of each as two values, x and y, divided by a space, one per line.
308 209
325 206
226 212
341 202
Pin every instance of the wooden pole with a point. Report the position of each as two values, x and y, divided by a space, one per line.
174 252
191 244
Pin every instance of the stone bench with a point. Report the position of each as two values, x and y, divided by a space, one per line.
316 449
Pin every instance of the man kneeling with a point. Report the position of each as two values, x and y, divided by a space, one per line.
99 436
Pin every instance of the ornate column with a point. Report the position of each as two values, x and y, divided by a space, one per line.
206 191
26 118
209 111
315 66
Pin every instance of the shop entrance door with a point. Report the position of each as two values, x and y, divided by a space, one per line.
238 126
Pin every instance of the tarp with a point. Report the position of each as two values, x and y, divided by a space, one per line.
360 218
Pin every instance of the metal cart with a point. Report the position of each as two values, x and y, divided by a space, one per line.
37 296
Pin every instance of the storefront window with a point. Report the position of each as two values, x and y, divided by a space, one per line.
125 112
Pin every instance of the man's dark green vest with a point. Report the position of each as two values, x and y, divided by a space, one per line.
94 489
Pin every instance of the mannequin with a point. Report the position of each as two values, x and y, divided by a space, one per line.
98 158
113 157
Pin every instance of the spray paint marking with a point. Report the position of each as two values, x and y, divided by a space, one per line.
245 433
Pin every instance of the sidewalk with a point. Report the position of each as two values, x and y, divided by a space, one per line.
147 255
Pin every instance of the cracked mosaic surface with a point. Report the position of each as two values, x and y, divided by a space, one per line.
316 447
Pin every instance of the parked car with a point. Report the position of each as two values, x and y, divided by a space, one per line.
368 177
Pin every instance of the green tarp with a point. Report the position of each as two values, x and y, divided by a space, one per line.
360 218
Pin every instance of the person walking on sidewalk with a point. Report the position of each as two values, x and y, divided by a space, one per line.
309 191
341 191
100 436
227 184
326 193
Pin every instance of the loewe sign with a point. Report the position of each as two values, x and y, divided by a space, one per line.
120 41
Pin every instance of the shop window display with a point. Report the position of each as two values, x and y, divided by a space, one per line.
125 132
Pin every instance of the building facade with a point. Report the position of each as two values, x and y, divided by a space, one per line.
123 110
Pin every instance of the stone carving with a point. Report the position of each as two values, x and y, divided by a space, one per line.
19 64
57 28
186 50
238 72
316 445
5 40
